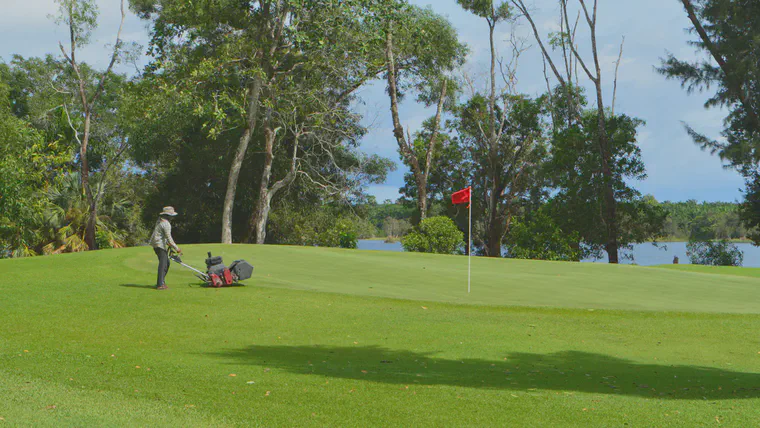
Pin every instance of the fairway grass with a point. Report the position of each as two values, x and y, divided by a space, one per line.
322 337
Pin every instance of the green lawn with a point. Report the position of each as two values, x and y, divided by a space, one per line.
324 337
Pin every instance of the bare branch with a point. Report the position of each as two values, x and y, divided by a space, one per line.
68 117
524 10
436 124
71 59
478 122
291 175
122 148
116 49
583 65
591 21
617 66
398 130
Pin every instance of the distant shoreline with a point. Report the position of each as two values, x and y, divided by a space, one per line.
664 241
677 240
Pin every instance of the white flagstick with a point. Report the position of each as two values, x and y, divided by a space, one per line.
469 243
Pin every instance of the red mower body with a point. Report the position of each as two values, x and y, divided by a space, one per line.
217 274
214 280
226 278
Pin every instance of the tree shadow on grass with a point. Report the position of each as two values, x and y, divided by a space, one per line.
568 371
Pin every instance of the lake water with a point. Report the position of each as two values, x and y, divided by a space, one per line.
643 254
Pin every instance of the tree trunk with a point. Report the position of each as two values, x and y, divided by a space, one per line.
493 234
260 218
254 93
493 244
90 229
610 205
404 146
422 197
257 229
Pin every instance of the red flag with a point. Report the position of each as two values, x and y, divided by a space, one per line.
462 196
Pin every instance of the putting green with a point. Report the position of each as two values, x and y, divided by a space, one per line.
498 282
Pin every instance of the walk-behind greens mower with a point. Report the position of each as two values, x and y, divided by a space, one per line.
217 274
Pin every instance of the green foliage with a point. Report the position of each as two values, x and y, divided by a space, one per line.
732 68
67 213
310 57
538 237
573 169
347 235
395 228
103 240
703 221
434 235
750 208
492 10
324 227
504 169
79 15
378 213
422 65
714 253
27 165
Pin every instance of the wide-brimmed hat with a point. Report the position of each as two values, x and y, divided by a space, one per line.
169 211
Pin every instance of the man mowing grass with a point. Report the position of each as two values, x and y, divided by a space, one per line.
161 240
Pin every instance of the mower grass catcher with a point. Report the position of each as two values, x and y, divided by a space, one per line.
217 274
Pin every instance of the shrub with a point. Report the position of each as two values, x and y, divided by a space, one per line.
434 235
342 234
540 238
715 253
320 228
103 239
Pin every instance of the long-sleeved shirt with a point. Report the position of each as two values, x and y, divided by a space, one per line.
162 235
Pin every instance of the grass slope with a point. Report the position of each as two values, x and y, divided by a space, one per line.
494 281
390 339
716 270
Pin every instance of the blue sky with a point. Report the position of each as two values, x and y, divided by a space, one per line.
677 169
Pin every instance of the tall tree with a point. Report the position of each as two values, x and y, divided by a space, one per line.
233 58
225 49
728 31
502 131
577 206
80 16
503 173
330 58
409 54
566 41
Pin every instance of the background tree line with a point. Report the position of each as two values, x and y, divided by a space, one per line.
243 119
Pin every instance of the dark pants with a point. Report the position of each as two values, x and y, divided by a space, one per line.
163 265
